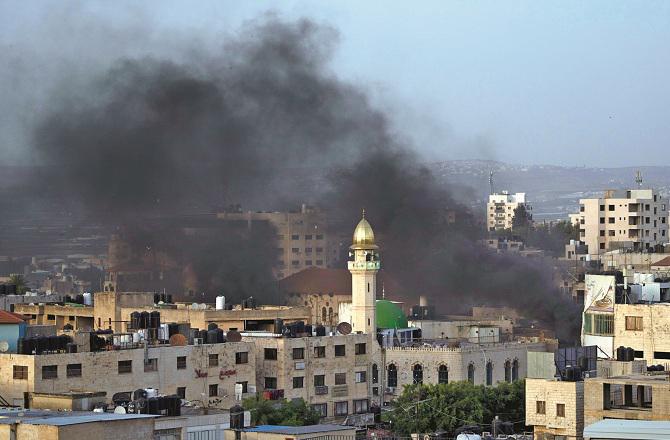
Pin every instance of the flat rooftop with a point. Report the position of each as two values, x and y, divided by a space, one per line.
297 430
627 429
649 379
63 418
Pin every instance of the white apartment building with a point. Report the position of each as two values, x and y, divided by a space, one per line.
634 219
500 209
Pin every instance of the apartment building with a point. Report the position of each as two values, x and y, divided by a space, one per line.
204 373
303 239
635 219
555 408
500 209
337 375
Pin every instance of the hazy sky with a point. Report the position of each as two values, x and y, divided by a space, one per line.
569 83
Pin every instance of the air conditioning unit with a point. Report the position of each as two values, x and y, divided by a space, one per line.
197 341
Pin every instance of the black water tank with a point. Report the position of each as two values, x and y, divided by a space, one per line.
211 337
660 367
630 354
157 298
203 335
320 330
237 417
139 394
3 289
71 347
212 326
152 406
10 289
584 363
308 329
52 343
21 346
279 326
173 329
155 319
621 353
144 321
219 336
135 320
570 374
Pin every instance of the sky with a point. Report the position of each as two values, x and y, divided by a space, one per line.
567 83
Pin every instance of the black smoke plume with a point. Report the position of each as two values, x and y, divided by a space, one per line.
155 138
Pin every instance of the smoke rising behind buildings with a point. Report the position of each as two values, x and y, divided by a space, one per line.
154 137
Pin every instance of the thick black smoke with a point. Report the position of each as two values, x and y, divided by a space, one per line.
154 138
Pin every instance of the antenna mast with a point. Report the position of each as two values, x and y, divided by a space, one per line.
491 180
638 178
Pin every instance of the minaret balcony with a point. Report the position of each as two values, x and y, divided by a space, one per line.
363 265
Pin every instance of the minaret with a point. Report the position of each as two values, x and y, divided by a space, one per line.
363 265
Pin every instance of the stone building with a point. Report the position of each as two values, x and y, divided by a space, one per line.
500 209
555 408
205 373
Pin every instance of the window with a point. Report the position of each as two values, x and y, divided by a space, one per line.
603 324
295 237
319 352
298 382
213 390
295 250
340 378
360 406
602 207
21 372
270 383
125 367
417 374
471 373
214 360
611 233
515 370
320 380
661 355
560 410
375 373
270 354
51 317
151 365
602 233
602 220
321 408
360 348
181 392
308 236
181 362
489 373
611 220
340 350
245 386
508 371
298 353
540 407
206 434
634 323
611 208
308 262
392 376
295 262
319 236
341 408
361 376
241 357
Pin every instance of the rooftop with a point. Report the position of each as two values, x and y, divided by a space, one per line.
627 429
10 318
297 430
62 418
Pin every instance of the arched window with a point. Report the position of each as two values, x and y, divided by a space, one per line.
471 373
489 373
508 371
323 314
417 374
442 374
330 314
392 376
515 370
375 373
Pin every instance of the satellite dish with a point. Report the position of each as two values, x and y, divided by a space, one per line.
4 346
119 410
233 336
178 340
344 328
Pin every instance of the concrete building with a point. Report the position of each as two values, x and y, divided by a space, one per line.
12 327
500 209
206 373
337 375
632 397
635 219
273 432
555 408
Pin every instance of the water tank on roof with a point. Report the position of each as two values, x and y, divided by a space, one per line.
390 315
220 302
88 299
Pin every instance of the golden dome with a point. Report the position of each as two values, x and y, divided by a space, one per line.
364 238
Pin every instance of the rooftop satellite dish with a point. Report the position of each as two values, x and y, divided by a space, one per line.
233 336
119 410
4 346
344 328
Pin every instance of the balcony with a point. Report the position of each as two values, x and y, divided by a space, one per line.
363 265
321 390
339 391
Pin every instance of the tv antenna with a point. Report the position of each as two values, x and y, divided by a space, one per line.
491 180
638 178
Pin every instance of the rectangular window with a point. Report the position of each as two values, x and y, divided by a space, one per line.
634 323
295 262
214 360
308 262
540 407
321 408
341 408
299 353
308 236
181 392
611 208
602 207
51 317
214 390
50 372
270 354
360 406
245 386
603 324
20 372
661 355
298 382
319 236
125 367
242 357
270 383
587 323
151 365
320 380
340 350
360 348
340 378
308 250
611 220
361 376
602 220
295 237
560 410
319 352
181 362
295 250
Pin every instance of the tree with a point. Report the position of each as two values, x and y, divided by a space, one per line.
19 282
280 412
431 408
